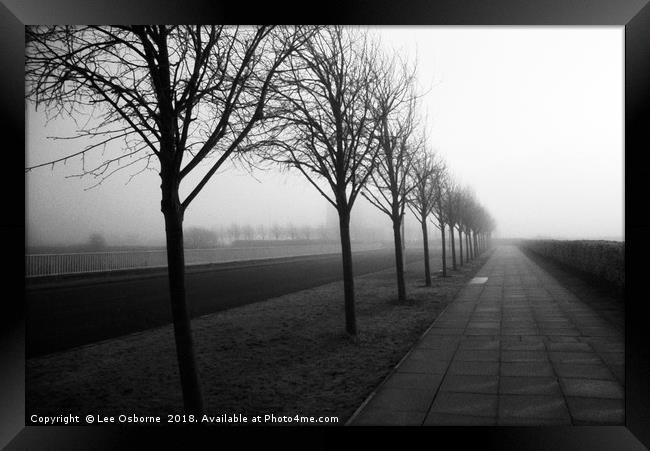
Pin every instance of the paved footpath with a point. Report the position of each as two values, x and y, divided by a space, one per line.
514 348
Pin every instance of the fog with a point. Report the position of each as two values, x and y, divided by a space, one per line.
530 118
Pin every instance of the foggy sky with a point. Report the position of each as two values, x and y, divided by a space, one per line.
530 118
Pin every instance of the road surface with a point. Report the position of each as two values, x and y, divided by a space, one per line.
82 312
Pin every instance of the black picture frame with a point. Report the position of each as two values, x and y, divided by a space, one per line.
634 15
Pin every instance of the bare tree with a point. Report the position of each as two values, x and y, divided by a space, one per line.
260 231
421 198
473 225
276 231
483 225
440 189
470 223
389 184
306 232
291 231
324 232
96 242
458 199
468 204
248 232
450 206
199 237
463 205
478 224
176 95
234 232
222 235
489 228
326 127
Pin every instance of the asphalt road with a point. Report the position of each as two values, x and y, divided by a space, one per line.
81 312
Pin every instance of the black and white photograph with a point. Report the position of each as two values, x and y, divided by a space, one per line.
259 225
324 225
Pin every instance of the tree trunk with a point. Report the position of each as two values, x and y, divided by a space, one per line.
425 243
469 248
460 244
403 240
453 247
192 398
348 279
475 243
399 260
444 250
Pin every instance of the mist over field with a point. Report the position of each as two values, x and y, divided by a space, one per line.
530 118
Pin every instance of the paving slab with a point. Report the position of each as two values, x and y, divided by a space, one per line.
449 419
515 347
586 411
403 399
473 404
533 406
526 369
424 381
513 385
389 417
470 384
592 388
523 356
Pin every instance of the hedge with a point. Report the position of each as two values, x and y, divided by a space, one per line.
604 260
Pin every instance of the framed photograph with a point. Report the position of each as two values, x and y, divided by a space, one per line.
426 216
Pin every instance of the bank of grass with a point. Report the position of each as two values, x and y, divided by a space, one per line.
598 260
285 356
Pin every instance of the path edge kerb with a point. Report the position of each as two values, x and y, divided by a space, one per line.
411 349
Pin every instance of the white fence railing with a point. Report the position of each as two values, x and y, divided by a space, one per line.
75 263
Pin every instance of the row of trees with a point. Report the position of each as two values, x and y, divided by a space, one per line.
324 101
198 237
437 198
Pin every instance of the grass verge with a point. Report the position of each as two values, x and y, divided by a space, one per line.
285 356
